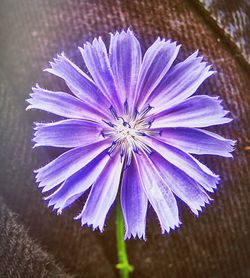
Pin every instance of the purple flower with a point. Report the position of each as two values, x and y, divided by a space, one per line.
131 127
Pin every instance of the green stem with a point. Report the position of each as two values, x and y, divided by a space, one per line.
123 264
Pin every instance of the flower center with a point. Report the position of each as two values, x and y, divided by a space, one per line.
127 132
124 128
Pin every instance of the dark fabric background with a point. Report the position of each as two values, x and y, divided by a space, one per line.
232 20
37 243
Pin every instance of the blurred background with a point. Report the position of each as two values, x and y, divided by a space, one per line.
34 242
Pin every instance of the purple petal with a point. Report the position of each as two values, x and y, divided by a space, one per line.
181 184
63 104
197 111
181 82
185 162
134 202
156 63
69 163
78 82
158 193
67 134
78 183
196 141
125 61
102 195
96 59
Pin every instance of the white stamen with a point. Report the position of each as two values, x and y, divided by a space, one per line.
128 133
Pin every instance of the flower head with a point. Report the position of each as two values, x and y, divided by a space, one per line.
132 126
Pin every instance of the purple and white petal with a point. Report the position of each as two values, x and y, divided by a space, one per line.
158 193
75 133
196 141
102 195
63 104
68 164
156 62
181 82
197 111
125 60
187 189
184 162
97 61
77 184
80 84
134 202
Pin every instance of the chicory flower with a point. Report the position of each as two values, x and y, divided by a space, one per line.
132 126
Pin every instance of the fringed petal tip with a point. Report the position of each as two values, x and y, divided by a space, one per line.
228 119
205 68
94 225
36 171
135 235
35 89
220 104
198 56
37 125
160 40
218 179
197 209
94 43
30 100
168 230
45 188
233 145
40 184
59 57
171 42
29 107
58 211
59 61
55 207
36 145
37 177
127 31
214 185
